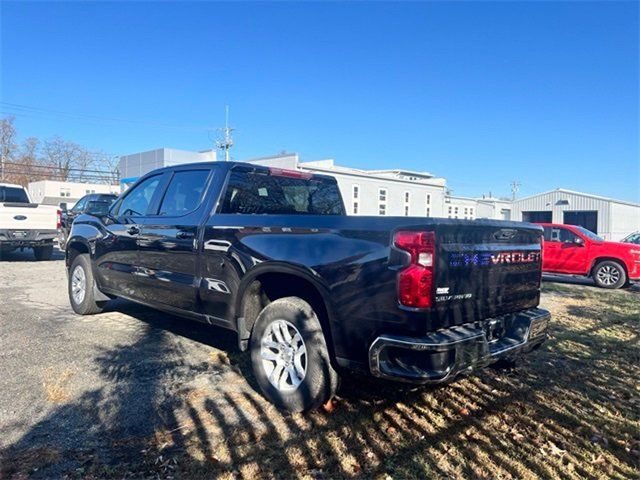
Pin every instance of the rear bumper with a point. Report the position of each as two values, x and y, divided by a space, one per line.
440 356
26 238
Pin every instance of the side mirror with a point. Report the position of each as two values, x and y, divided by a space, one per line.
579 241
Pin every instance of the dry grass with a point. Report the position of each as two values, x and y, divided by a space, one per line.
571 410
55 387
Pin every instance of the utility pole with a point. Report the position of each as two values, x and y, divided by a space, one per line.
515 186
226 142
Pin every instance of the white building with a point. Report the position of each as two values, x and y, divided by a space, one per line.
133 166
495 208
375 192
460 207
54 192
609 218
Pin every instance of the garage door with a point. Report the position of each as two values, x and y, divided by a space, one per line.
537 217
585 218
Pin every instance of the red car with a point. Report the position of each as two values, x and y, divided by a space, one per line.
574 250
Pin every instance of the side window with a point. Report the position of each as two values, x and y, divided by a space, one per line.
137 201
566 236
547 234
79 206
184 192
262 193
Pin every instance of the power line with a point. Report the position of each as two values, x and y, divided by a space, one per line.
30 111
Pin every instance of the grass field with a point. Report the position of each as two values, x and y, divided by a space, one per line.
571 410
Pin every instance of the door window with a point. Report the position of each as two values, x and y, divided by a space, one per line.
562 235
184 192
138 200
78 207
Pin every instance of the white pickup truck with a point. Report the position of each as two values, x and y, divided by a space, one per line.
26 225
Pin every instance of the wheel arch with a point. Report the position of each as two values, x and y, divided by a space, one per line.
598 260
74 247
268 282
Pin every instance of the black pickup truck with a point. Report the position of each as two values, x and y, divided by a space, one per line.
270 254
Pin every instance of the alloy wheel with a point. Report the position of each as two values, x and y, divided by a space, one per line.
78 284
608 275
284 355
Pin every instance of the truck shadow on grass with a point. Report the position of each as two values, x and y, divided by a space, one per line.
569 411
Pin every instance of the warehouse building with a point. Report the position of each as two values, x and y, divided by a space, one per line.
609 218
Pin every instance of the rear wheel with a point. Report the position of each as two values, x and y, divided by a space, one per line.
609 274
43 253
290 358
81 283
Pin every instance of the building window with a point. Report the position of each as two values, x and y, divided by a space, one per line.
382 195
449 212
355 208
356 192
471 211
382 210
406 210
466 210
406 197
428 212
455 210
428 198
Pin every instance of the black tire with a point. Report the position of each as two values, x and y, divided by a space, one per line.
43 253
86 305
609 274
62 240
319 381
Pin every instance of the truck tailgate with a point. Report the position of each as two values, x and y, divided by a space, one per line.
485 270
28 216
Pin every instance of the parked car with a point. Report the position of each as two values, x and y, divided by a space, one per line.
94 204
270 254
26 225
574 250
632 238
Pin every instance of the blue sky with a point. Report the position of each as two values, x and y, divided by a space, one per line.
480 93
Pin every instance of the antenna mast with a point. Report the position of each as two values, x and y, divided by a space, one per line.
226 142
515 186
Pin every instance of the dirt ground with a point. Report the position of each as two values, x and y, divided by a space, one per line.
137 393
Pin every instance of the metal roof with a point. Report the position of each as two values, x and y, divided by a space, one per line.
582 194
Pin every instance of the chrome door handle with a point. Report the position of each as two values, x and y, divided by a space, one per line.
183 235
133 230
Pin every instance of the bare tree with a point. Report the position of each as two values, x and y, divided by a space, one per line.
26 166
55 159
7 143
66 157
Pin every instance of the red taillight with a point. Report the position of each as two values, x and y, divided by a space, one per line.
415 283
281 172
59 219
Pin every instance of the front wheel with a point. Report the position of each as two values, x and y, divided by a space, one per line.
81 282
62 239
290 358
609 274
